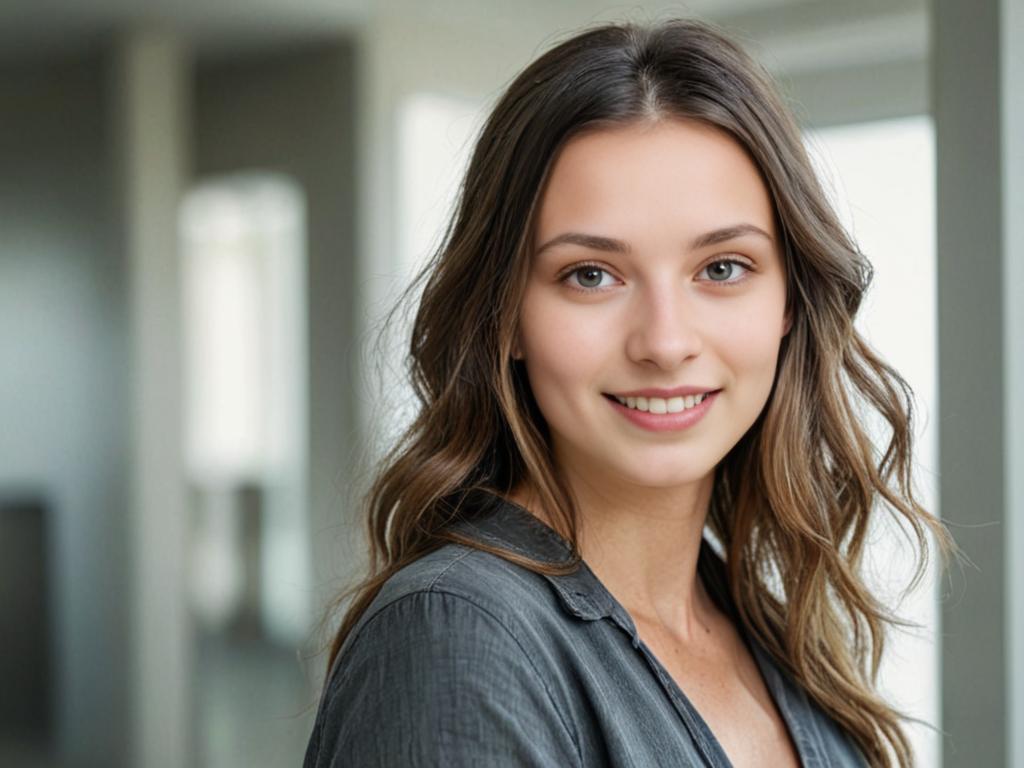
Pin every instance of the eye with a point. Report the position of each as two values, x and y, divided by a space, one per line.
722 269
589 277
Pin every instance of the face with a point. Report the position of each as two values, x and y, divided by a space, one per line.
631 289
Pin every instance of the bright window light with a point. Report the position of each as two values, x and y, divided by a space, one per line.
883 180
244 291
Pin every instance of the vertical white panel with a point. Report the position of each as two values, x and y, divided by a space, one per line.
434 137
151 72
244 261
1012 42
883 183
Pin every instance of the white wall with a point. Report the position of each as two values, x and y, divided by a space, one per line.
882 175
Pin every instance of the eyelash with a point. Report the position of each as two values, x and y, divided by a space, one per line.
590 265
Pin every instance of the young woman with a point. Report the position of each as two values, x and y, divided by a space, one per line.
639 329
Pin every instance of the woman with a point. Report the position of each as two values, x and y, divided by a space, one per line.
640 328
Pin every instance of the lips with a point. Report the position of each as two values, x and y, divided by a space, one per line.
668 421
664 394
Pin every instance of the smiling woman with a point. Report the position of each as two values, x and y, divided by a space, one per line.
657 200
638 331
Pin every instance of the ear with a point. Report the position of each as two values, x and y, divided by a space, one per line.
787 322
517 349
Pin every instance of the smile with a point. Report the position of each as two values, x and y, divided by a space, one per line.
661 404
659 414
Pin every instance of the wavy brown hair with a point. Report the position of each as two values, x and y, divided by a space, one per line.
793 499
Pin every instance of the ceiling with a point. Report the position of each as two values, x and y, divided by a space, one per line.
792 30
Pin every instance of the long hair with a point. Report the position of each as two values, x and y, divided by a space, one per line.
793 499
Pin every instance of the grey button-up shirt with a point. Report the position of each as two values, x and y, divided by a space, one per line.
465 659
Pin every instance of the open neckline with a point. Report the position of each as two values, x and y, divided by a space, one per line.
807 751
774 684
771 676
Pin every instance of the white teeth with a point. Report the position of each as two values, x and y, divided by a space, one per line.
660 404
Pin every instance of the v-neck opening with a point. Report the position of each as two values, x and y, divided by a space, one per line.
711 570
773 681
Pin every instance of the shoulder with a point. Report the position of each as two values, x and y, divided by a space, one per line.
435 669
459 588
448 601
467 580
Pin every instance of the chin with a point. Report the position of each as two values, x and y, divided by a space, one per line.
667 476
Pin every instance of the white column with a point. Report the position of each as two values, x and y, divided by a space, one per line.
151 87
1011 26
978 103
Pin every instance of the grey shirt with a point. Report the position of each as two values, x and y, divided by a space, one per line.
465 659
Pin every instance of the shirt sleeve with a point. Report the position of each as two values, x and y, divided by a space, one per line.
434 679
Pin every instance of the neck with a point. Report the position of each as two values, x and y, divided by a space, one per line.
643 544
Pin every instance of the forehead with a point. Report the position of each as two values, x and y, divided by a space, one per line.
672 172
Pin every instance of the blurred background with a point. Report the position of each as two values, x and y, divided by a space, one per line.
205 207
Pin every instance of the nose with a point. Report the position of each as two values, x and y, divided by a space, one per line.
664 331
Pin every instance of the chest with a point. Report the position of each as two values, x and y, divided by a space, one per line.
725 685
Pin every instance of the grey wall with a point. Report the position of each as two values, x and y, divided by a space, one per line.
63 380
977 82
64 335
293 111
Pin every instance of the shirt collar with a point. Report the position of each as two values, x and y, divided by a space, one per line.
505 524
500 522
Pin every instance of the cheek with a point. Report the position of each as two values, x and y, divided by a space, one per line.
561 341
567 350
748 341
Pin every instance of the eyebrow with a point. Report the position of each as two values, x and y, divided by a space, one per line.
599 243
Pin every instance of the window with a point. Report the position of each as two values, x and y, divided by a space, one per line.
883 181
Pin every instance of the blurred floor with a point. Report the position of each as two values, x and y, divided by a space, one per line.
254 706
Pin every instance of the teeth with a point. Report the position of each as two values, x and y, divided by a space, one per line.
660 404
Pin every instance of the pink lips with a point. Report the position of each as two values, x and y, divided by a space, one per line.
665 422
